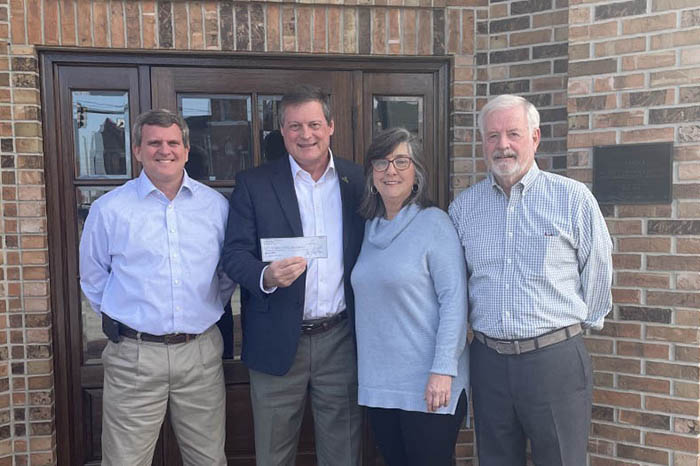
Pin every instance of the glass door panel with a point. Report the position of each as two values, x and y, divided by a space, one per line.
100 124
94 340
220 135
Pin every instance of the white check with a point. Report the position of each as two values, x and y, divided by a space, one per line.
308 247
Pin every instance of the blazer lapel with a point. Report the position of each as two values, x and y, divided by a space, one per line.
284 188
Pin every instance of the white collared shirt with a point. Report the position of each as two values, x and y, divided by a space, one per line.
152 263
321 211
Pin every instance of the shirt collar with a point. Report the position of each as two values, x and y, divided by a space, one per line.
526 181
296 169
145 186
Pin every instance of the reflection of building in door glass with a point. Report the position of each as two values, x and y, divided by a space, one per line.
405 112
220 135
100 123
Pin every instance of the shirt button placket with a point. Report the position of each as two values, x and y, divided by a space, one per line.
509 272
175 268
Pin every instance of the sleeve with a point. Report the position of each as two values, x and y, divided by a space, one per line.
95 259
595 261
240 253
447 271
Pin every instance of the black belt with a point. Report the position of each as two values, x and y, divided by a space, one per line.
528 344
311 327
169 339
112 327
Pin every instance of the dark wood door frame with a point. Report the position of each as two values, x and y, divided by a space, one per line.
50 58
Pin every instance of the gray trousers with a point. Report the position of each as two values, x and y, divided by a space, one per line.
142 379
544 396
325 369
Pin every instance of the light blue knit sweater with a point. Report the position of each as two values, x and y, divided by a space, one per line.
410 309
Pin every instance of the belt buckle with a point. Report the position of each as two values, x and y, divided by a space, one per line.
168 339
501 347
307 327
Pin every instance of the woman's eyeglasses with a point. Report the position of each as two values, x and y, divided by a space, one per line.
400 163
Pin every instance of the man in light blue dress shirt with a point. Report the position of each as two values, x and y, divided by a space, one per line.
539 270
149 264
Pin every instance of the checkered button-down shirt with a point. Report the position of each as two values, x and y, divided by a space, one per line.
537 261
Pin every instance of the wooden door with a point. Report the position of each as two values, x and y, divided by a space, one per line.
231 104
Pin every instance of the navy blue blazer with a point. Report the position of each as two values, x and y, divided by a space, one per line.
264 205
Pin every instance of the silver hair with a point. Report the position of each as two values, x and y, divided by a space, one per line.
505 102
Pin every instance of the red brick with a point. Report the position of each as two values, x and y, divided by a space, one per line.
211 25
651 210
675 39
289 39
117 26
319 40
675 442
669 298
615 120
180 23
304 29
647 135
335 38
620 47
627 261
643 419
467 27
623 434
649 455
67 10
17 22
50 22
99 24
642 350
642 280
379 31
195 24
674 371
644 244
34 27
617 365
425 38
648 60
647 24
626 296
273 28
644 384
394 30
673 334
84 23
599 346
615 398
687 353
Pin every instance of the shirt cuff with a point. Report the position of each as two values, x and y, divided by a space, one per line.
262 287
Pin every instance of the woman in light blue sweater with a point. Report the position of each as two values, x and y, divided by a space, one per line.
410 310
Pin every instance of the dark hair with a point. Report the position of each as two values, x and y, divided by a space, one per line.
382 145
163 118
302 94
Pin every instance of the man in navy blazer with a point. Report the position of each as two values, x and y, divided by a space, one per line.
298 316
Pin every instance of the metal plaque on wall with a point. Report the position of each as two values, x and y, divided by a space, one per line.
633 173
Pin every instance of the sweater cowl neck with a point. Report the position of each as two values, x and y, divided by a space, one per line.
381 232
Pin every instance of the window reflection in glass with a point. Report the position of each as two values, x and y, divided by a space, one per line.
94 340
271 141
220 135
391 111
101 134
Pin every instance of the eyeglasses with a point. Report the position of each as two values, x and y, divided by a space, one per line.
400 163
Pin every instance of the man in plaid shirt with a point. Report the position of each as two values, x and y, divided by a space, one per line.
539 271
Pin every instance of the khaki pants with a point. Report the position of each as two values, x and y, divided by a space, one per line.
142 379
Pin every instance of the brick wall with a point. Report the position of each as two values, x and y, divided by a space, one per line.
626 75
633 75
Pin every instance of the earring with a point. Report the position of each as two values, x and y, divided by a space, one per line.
373 189
415 188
